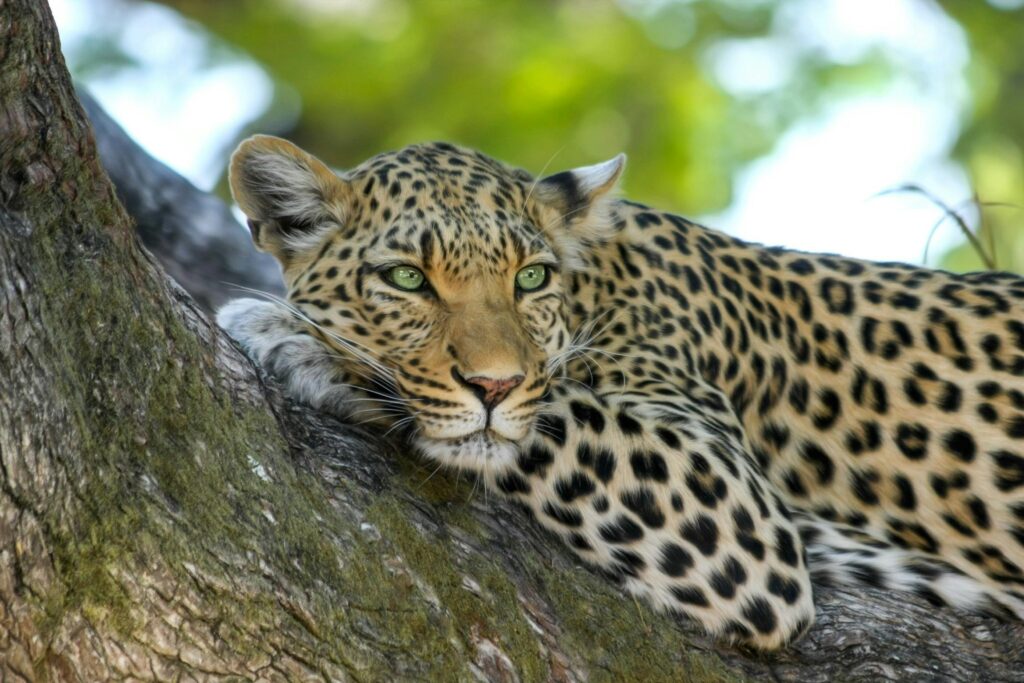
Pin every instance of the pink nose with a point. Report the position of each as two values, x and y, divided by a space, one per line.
489 390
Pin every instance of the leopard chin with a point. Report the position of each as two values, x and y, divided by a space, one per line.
479 451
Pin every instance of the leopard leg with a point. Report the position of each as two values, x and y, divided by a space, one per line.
664 497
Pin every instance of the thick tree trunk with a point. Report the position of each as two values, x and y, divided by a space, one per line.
164 514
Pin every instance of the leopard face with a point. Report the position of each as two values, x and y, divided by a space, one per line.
435 274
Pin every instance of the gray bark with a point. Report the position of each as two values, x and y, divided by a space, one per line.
165 514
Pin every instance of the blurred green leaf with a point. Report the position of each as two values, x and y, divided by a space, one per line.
550 84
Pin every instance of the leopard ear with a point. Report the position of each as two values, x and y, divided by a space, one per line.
579 201
291 198
574 192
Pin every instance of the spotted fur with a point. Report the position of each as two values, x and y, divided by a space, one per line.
709 422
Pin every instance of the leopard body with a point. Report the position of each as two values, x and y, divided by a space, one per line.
711 423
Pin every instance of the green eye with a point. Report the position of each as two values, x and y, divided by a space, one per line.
531 277
406 277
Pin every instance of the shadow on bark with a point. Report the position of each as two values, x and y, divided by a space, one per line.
166 514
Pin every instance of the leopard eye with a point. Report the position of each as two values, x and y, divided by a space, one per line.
406 277
531 277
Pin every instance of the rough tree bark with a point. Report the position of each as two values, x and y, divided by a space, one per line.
165 514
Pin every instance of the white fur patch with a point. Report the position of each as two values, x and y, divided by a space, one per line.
286 186
286 189
836 558
275 340
477 452
599 176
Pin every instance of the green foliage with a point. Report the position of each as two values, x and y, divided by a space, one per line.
991 144
550 84
540 84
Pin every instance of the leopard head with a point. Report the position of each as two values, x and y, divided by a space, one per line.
436 276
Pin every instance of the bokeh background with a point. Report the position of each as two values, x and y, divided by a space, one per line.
851 126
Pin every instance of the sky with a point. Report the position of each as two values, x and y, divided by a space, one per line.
822 188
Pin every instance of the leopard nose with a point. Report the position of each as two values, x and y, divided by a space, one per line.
490 390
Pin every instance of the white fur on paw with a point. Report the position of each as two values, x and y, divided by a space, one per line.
256 324
280 343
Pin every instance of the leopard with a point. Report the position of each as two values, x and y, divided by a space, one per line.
716 426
